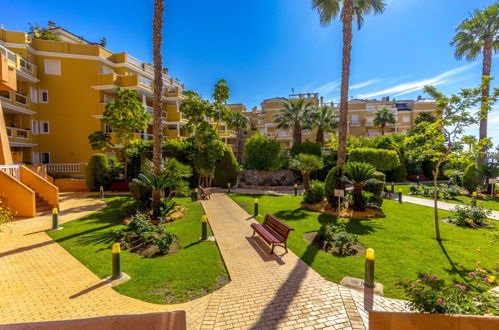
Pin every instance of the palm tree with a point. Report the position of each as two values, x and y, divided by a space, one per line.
157 38
237 121
325 119
347 10
306 164
293 114
358 174
475 35
382 118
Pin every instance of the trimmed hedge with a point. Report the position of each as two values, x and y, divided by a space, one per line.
97 172
307 147
376 188
381 159
470 178
227 170
333 181
398 174
262 153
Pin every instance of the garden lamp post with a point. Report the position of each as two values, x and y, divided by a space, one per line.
369 270
204 228
117 274
255 211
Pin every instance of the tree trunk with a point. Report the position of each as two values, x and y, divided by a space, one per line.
238 145
382 130
297 132
319 138
435 200
346 17
357 197
486 68
306 181
158 89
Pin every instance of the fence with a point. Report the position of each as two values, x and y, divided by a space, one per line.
12 170
63 168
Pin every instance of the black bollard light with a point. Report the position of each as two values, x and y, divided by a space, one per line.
400 196
473 199
417 179
194 195
296 189
369 270
101 192
55 219
204 228
255 202
117 274
393 188
228 187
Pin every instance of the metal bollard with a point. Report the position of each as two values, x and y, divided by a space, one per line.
194 195
255 213
400 196
228 187
369 271
55 219
117 274
417 180
393 187
473 199
204 228
101 192
296 189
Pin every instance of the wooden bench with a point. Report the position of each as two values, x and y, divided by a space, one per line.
273 231
205 193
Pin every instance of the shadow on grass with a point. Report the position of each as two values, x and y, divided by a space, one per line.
292 215
453 270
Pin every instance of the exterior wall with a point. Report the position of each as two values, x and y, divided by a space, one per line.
70 185
17 196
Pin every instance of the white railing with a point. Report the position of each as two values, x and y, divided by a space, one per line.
150 69
21 99
134 61
63 168
148 109
12 170
10 132
12 57
17 132
145 82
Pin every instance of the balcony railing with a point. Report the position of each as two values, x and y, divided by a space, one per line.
12 170
145 82
271 134
22 99
63 168
148 109
14 97
18 62
134 61
18 133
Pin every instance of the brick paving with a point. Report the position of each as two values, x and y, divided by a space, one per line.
40 281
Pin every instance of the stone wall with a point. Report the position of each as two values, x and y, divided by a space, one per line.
267 178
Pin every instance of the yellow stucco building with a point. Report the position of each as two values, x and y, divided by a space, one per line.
62 89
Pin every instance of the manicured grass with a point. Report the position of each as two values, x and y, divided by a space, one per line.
194 271
403 241
490 203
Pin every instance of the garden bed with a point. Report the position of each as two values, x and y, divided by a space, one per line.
325 208
313 238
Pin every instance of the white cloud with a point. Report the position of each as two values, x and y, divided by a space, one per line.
414 86
364 84
328 88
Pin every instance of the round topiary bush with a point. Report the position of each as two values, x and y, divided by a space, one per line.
333 181
307 147
470 179
96 173
227 170
262 153
376 188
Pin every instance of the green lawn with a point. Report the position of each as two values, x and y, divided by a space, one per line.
403 242
490 203
194 271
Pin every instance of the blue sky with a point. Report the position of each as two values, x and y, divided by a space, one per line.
266 48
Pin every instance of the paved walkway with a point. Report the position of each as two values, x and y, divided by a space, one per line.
441 205
40 281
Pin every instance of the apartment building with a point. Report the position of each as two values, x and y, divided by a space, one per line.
62 89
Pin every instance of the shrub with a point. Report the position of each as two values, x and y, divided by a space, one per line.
414 189
316 192
429 294
367 199
470 180
6 214
399 173
376 188
129 208
307 147
178 149
381 159
139 192
97 172
262 153
115 170
450 191
333 181
306 164
470 216
227 170
335 236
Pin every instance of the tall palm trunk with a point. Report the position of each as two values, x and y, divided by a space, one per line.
297 132
238 143
346 17
357 197
486 68
319 137
158 88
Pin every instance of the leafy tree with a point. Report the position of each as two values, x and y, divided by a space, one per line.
306 164
382 118
346 10
381 159
307 147
477 35
325 119
42 33
157 40
293 115
227 170
358 174
100 141
97 171
220 96
333 181
425 116
470 178
262 153
237 121
436 141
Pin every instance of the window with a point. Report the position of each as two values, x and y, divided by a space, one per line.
172 127
45 157
52 67
406 119
35 157
44 96
108 98
44 127
355 117
107 129
245 133
34 127
34 95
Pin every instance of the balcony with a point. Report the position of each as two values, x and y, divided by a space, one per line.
109 81
149 68
26 70
19 137
355 122
272 134
14 102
